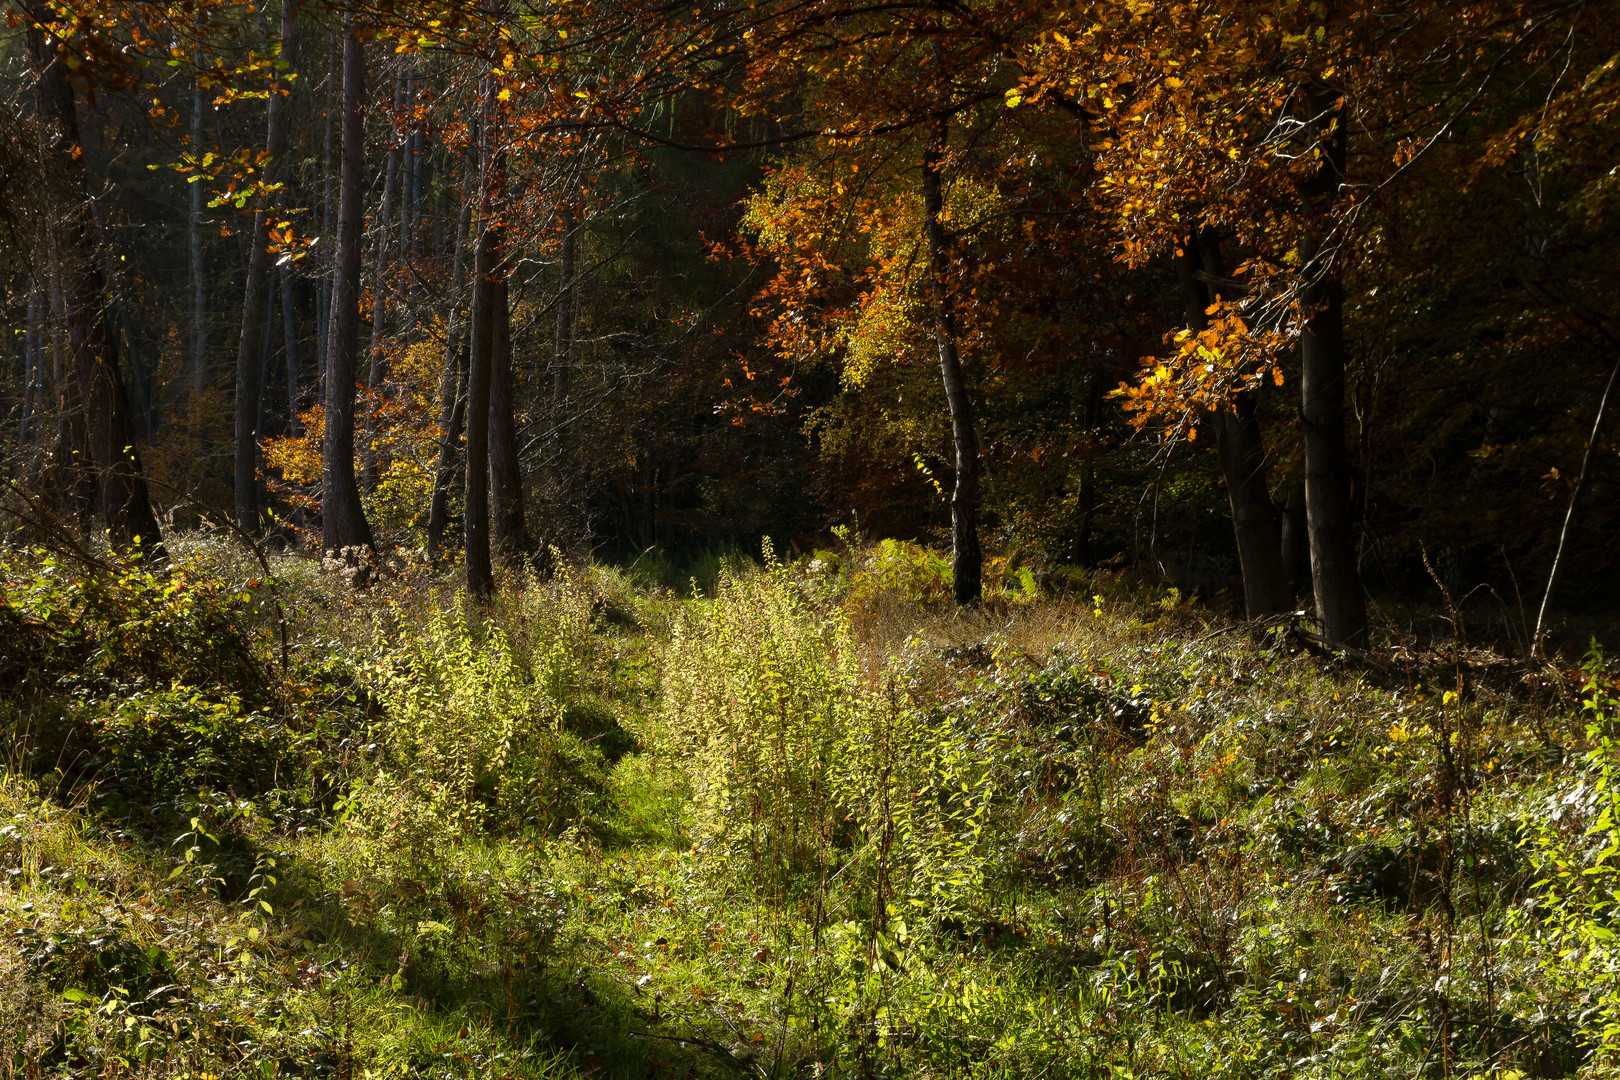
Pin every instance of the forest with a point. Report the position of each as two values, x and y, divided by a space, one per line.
809 538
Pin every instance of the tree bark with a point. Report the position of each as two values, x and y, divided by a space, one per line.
512 540
1335 579
289 332
1241 449
109 434
452 394
967 561
565 307
380 298
250 353
343 519
480 578
31 367
199 284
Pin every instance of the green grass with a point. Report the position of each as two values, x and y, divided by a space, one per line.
808 824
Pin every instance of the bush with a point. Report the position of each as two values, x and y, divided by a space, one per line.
801 765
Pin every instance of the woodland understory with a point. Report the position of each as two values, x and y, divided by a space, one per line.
814 821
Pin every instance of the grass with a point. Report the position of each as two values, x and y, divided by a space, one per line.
809 821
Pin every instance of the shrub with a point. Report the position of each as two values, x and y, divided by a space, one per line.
473 735
800 763
1581 889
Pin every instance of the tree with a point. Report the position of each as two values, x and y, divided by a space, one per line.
97 394
343 519
967 562
250 349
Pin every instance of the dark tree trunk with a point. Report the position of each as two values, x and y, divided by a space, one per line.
75 475
1241 449
452 394
143 399
199 284
381 289
480 578
31 368
512 539
967 561
1335 579
323 286
109 433
1296 548
565 307
343 520
250 351
289 334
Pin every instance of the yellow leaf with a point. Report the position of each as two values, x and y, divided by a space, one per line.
505 94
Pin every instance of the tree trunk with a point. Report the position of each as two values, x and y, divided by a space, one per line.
323 287
199 284
93 355
1241 449
512 539
31 367
250 351
967 561
1340 609
452 394
380 299
343 520
289 332
565 308
75 476
143 399
480 578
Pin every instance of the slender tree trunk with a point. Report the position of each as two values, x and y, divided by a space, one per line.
1335 579
1569 514
199 284
76 477
565 307
381 299
143 400
343 519
967 561
31 394
324 327
480 578
265 349
126 508
452 394
289 332
475 496
250 351
1241 448
512 538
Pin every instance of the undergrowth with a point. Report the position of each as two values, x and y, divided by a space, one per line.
806 821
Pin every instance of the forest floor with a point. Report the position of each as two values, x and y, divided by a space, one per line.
808 822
